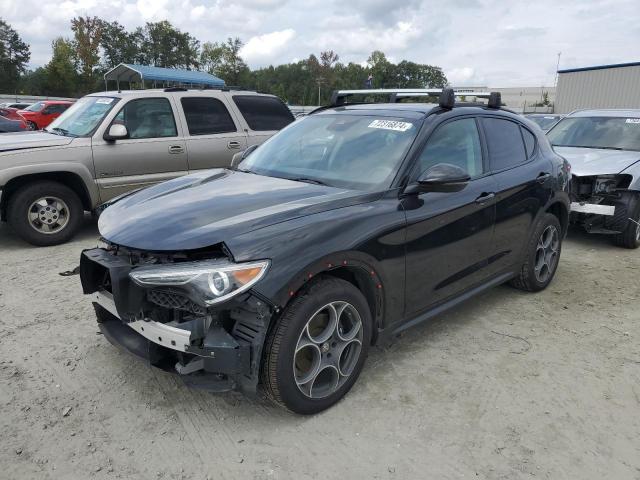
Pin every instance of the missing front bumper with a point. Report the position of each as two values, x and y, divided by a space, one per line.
204 351
593 208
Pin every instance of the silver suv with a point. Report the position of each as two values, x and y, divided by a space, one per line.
108 144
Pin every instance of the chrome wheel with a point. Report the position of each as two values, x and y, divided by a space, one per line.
328 349
547 254
637 231
48 215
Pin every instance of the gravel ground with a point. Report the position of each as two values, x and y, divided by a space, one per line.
508 386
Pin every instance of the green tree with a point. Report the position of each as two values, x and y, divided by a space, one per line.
163 45
62 76
14 56
119 46
380 68
413 75
34 82
87 33
212 57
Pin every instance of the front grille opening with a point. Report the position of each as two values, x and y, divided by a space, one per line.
174 301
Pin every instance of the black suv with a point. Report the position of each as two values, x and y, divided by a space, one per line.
340 231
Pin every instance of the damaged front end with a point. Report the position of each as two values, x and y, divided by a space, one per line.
602 203
192 313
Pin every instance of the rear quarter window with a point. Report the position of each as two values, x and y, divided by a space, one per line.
529 141
263 113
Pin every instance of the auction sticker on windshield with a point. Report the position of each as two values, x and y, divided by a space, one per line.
106 101
633 120
391 125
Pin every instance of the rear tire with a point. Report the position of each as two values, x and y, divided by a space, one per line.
541 256
45 213
630 237
317 348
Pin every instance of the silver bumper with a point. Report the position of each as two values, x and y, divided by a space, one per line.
594 208
156 332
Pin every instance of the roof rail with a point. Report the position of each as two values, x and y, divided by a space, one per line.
175 89
339 97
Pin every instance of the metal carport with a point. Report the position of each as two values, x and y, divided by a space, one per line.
166 77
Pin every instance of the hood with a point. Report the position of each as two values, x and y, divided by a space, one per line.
24 140
596 161
208 208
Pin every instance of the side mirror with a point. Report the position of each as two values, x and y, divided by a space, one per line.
238 157
116 132
442 177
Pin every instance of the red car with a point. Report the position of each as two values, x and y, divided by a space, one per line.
41 114
10 113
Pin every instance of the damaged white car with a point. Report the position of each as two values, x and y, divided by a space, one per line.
603 148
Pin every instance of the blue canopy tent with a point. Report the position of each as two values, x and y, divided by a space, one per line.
166 77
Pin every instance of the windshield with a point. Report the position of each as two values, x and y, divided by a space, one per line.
349 151
597 132
546 122
36 107
83 117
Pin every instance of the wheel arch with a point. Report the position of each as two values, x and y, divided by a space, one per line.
353 267
70 179
561 211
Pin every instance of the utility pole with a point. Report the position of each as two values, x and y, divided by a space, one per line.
319 81
555 81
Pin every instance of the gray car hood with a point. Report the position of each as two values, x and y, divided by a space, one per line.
24 140
595 161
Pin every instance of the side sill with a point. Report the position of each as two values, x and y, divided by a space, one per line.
443 307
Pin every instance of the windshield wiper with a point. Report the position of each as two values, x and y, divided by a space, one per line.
245 170
591 146
309 180
63 132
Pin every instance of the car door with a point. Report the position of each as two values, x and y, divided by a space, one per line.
154 150
49 114
448 234
524 186
263 115
211 134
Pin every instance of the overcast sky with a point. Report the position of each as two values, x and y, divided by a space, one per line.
476 42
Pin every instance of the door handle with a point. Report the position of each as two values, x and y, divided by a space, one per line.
176 149
233 145
543 177
485 197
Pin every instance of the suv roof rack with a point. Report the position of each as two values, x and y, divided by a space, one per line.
446 95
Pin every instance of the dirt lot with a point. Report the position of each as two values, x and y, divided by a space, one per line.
508 386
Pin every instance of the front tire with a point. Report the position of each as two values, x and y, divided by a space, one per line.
45 213
316 351
630 237
32 125
542 255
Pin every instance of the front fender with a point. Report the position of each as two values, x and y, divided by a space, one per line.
41 169
368 237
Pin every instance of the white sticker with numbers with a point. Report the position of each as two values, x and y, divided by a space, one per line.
391 125
633 120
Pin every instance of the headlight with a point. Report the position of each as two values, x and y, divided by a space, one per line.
207 282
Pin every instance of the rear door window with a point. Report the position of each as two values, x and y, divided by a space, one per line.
206 116
263 113
505 144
